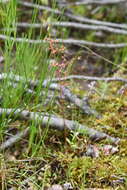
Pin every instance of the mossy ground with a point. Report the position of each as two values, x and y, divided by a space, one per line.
49 156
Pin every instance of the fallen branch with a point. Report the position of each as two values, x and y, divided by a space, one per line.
55 86
83 105
48 97
65 92
73 17
96 2
70 41
93 21
40 7
15 138
72 25
89 78
55 122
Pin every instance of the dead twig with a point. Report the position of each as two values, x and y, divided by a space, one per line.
69 96
82 104
69 41
72 16
52 121
15 138
89 78
40 7
73 25
97 2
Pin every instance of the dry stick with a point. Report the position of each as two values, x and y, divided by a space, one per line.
99 2
15 138
89 78
72 25
54 122
34 83
17 78
73 17
48 97
40 7
83 105
93 21
65 91
27 90
69 41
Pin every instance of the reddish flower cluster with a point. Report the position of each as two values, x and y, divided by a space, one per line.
57 50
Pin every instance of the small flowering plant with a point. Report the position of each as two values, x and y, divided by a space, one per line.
55 51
